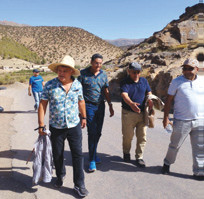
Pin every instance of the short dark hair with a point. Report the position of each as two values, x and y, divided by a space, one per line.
95 56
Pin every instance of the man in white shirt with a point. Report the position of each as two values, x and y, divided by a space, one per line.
187 92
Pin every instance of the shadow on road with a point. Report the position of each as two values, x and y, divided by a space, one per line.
65 190
14 112
7 182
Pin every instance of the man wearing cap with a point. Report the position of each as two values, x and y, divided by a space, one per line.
95 87
187 93
134 89
66 101
36 84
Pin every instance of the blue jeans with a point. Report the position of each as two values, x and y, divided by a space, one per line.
37 96
74 138
95 117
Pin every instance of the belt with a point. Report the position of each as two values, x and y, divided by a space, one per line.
94 103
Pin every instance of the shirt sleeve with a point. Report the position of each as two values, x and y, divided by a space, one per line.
124 88
172 88
30 81
106 82
45 93
80 93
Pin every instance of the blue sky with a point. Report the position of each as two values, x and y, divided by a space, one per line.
108 19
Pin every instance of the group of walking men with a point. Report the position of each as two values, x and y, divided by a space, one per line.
75 103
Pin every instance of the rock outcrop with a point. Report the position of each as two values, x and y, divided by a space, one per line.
162 55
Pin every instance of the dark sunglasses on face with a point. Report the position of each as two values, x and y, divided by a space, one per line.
135 72
188 69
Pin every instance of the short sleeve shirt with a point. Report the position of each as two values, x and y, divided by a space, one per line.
188 98
93 86
136 91
63 107
36 83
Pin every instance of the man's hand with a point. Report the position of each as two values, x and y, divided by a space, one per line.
166 121
134 107
111 110
83 123
40 131
29 93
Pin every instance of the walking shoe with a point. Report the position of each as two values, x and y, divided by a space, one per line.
97 160
140 163
165 169
81 191
200 178
126 157
92 166
58 183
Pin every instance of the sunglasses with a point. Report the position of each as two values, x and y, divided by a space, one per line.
135 72
188 69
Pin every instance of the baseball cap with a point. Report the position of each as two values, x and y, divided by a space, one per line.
135 66
191 62
36 71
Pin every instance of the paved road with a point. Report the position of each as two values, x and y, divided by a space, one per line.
113 179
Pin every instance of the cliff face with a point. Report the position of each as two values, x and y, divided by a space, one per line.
162 55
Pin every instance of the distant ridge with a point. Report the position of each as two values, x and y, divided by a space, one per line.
11 23
125 42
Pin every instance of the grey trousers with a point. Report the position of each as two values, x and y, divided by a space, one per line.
181 129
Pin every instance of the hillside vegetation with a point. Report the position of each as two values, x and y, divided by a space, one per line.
52 43
10 49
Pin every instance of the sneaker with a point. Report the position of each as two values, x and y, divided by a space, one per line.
97 160
58 183
200 178
165 169
140 163
92 166
81 191
126 157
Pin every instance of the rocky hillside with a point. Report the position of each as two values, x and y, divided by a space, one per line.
52 43
162 54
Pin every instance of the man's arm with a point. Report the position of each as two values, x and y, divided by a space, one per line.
107 96
167 108
150 102
82 110
133 105
29 89
41 115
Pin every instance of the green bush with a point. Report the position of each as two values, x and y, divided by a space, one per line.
10 49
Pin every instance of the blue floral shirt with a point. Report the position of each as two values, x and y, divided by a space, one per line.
93 86
64 111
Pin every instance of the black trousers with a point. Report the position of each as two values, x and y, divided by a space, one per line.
74 137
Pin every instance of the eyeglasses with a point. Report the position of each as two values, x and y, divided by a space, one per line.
188 69
135 72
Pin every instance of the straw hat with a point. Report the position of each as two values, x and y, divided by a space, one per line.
66 61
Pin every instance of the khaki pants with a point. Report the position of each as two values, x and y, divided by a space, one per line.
130 121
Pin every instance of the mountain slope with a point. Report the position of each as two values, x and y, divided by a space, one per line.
52 43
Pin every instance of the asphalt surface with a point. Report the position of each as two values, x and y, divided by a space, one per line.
114 179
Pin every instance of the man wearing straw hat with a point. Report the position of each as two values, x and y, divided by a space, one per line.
65 98
95 87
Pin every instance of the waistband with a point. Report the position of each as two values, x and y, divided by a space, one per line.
94 103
